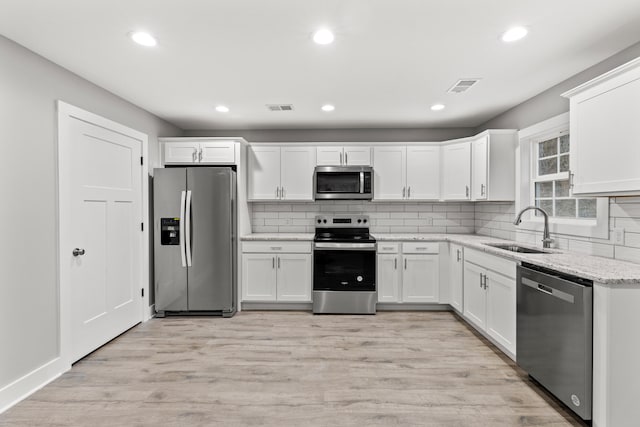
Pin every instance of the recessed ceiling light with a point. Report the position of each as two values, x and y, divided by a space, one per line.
323 36
437 107
222 109
514 34
144 39
328 107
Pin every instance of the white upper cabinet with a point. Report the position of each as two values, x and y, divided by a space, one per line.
296 173
281 173
263 178
493 166
456 171
356 155
605 133
198 151
406 172
389 164
423 172
479 166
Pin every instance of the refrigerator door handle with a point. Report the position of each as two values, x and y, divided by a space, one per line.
188 229
182 253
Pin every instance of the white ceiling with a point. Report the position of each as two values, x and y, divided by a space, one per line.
390 61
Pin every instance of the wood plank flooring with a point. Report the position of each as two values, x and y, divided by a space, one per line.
294 369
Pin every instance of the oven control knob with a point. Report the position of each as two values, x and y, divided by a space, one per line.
359 278
324 220
364 220
319 221
359 221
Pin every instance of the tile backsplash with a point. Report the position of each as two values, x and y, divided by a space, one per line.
496 220
487 218
385 217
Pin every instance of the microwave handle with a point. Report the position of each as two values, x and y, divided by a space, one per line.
361 182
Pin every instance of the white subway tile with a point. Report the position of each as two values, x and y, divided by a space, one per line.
627 254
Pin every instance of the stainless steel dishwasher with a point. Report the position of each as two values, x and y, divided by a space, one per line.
554 341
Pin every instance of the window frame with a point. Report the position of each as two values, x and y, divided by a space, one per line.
526 172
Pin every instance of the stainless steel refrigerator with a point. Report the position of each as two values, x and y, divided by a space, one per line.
195 240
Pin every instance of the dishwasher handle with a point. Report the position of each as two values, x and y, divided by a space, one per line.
546 289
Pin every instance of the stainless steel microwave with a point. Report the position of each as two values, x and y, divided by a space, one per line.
343 182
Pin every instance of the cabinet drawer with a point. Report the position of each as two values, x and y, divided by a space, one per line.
491 262
277 247
388 248
421 248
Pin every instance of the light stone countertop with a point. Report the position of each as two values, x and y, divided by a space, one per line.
599 269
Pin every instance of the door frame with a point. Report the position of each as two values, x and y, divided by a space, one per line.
67 113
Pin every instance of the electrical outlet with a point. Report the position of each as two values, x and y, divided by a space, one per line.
429 220
285 221
618 236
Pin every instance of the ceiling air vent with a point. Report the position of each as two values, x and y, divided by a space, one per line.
280 107
463 85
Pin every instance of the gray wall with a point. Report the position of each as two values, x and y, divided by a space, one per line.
29 88
339 135
549 103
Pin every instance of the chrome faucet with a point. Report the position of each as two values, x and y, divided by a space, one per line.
546 238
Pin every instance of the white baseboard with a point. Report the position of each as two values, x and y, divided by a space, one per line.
28 384
150 313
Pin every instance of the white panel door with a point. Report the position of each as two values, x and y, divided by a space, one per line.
296 173
474 295
357 155
388 279
106 197
258 277
329 156
181 152
456 269
294 277
420 278
501 310
480 162
423 173
217 152
389 164
264 173
456 171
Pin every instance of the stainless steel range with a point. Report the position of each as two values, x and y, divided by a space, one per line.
344 265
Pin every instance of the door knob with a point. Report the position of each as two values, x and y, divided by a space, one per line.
78 251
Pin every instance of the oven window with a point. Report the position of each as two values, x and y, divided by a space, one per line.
335 270
337 182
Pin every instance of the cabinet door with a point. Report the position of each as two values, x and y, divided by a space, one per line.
388 278
294 277
258 277
474 295
357 155
181 152
329 156
480 163
456 270
420 278
456 173
218 152
389 165
501 309
263 173
423 173
296 173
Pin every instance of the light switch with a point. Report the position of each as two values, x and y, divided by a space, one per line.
618 236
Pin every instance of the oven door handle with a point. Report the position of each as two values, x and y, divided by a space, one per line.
345 246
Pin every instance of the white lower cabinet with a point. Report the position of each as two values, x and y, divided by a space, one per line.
276 271
490 297
456 274
410 275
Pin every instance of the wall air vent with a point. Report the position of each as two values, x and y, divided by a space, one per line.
280 107
463 85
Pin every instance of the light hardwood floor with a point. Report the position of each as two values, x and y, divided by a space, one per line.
294 369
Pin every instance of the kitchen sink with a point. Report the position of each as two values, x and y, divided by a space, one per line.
516 248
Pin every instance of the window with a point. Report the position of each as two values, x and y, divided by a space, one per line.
552 188
543 180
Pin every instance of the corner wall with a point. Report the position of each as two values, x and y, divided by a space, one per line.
30 86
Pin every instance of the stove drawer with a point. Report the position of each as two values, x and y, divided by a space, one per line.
275 246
